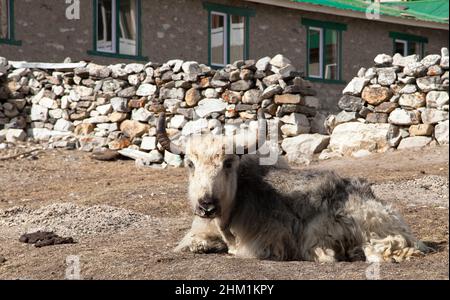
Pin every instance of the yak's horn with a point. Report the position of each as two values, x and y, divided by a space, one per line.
163 139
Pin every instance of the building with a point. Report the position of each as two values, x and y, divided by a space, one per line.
329 40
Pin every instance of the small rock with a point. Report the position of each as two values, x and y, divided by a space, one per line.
173 160
208 106
279 61
263 64
414 142
288 99
376 117
375 95
355 86
177 122
421 130
252 97
350 103
436 99
441 132
148 143
152 157
383 60
386 76
415 100
63 125
404 117
14 135
192 97
304 146
133 128
146 90
433 116
120 104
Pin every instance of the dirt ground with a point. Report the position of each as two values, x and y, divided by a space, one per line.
126 220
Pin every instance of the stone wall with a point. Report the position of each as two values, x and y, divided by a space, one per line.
179 29
400 102
94 107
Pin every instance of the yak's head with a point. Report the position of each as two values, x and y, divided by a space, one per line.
213 170
212 176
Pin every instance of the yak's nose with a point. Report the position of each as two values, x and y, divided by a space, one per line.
207 207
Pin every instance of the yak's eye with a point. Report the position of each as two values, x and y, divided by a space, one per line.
227 164
190 164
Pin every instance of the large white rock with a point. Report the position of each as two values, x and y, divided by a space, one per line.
195 127
173 160
414 142
433 116
177 122
263 63
14 135
295 124
141 114
148 143
63 125
441 132
152 157
104 109
437 99
415 100
383 59
44 134
355 86
280 61
299 149
39 113
208 106
146 90
404 117
354 136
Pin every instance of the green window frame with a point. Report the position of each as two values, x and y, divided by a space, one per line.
9 37
115 51
326 31
408 40
227 13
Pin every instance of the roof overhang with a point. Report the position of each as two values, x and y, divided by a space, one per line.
351 13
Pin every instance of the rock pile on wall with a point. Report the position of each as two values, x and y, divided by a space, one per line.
116 107
400 102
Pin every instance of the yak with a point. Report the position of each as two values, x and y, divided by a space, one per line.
277 213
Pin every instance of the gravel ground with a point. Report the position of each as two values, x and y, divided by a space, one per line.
126 221
69 219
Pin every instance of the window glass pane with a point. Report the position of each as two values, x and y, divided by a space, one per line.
331 54
237 38
218 39
4 12
314 52
415 48
105 29
128 31
400 47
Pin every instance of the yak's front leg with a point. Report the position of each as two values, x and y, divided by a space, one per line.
227 236
203 237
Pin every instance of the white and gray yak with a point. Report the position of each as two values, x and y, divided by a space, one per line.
277 213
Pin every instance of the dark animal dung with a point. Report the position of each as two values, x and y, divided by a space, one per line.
44 238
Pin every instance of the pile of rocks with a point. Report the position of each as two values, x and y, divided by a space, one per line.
116 107
401 102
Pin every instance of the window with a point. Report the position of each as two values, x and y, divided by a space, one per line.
407 44
228 34
117 28
7 22
324 48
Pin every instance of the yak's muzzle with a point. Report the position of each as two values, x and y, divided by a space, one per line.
207 208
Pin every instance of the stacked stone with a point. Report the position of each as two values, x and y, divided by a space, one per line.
116 106
408 93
